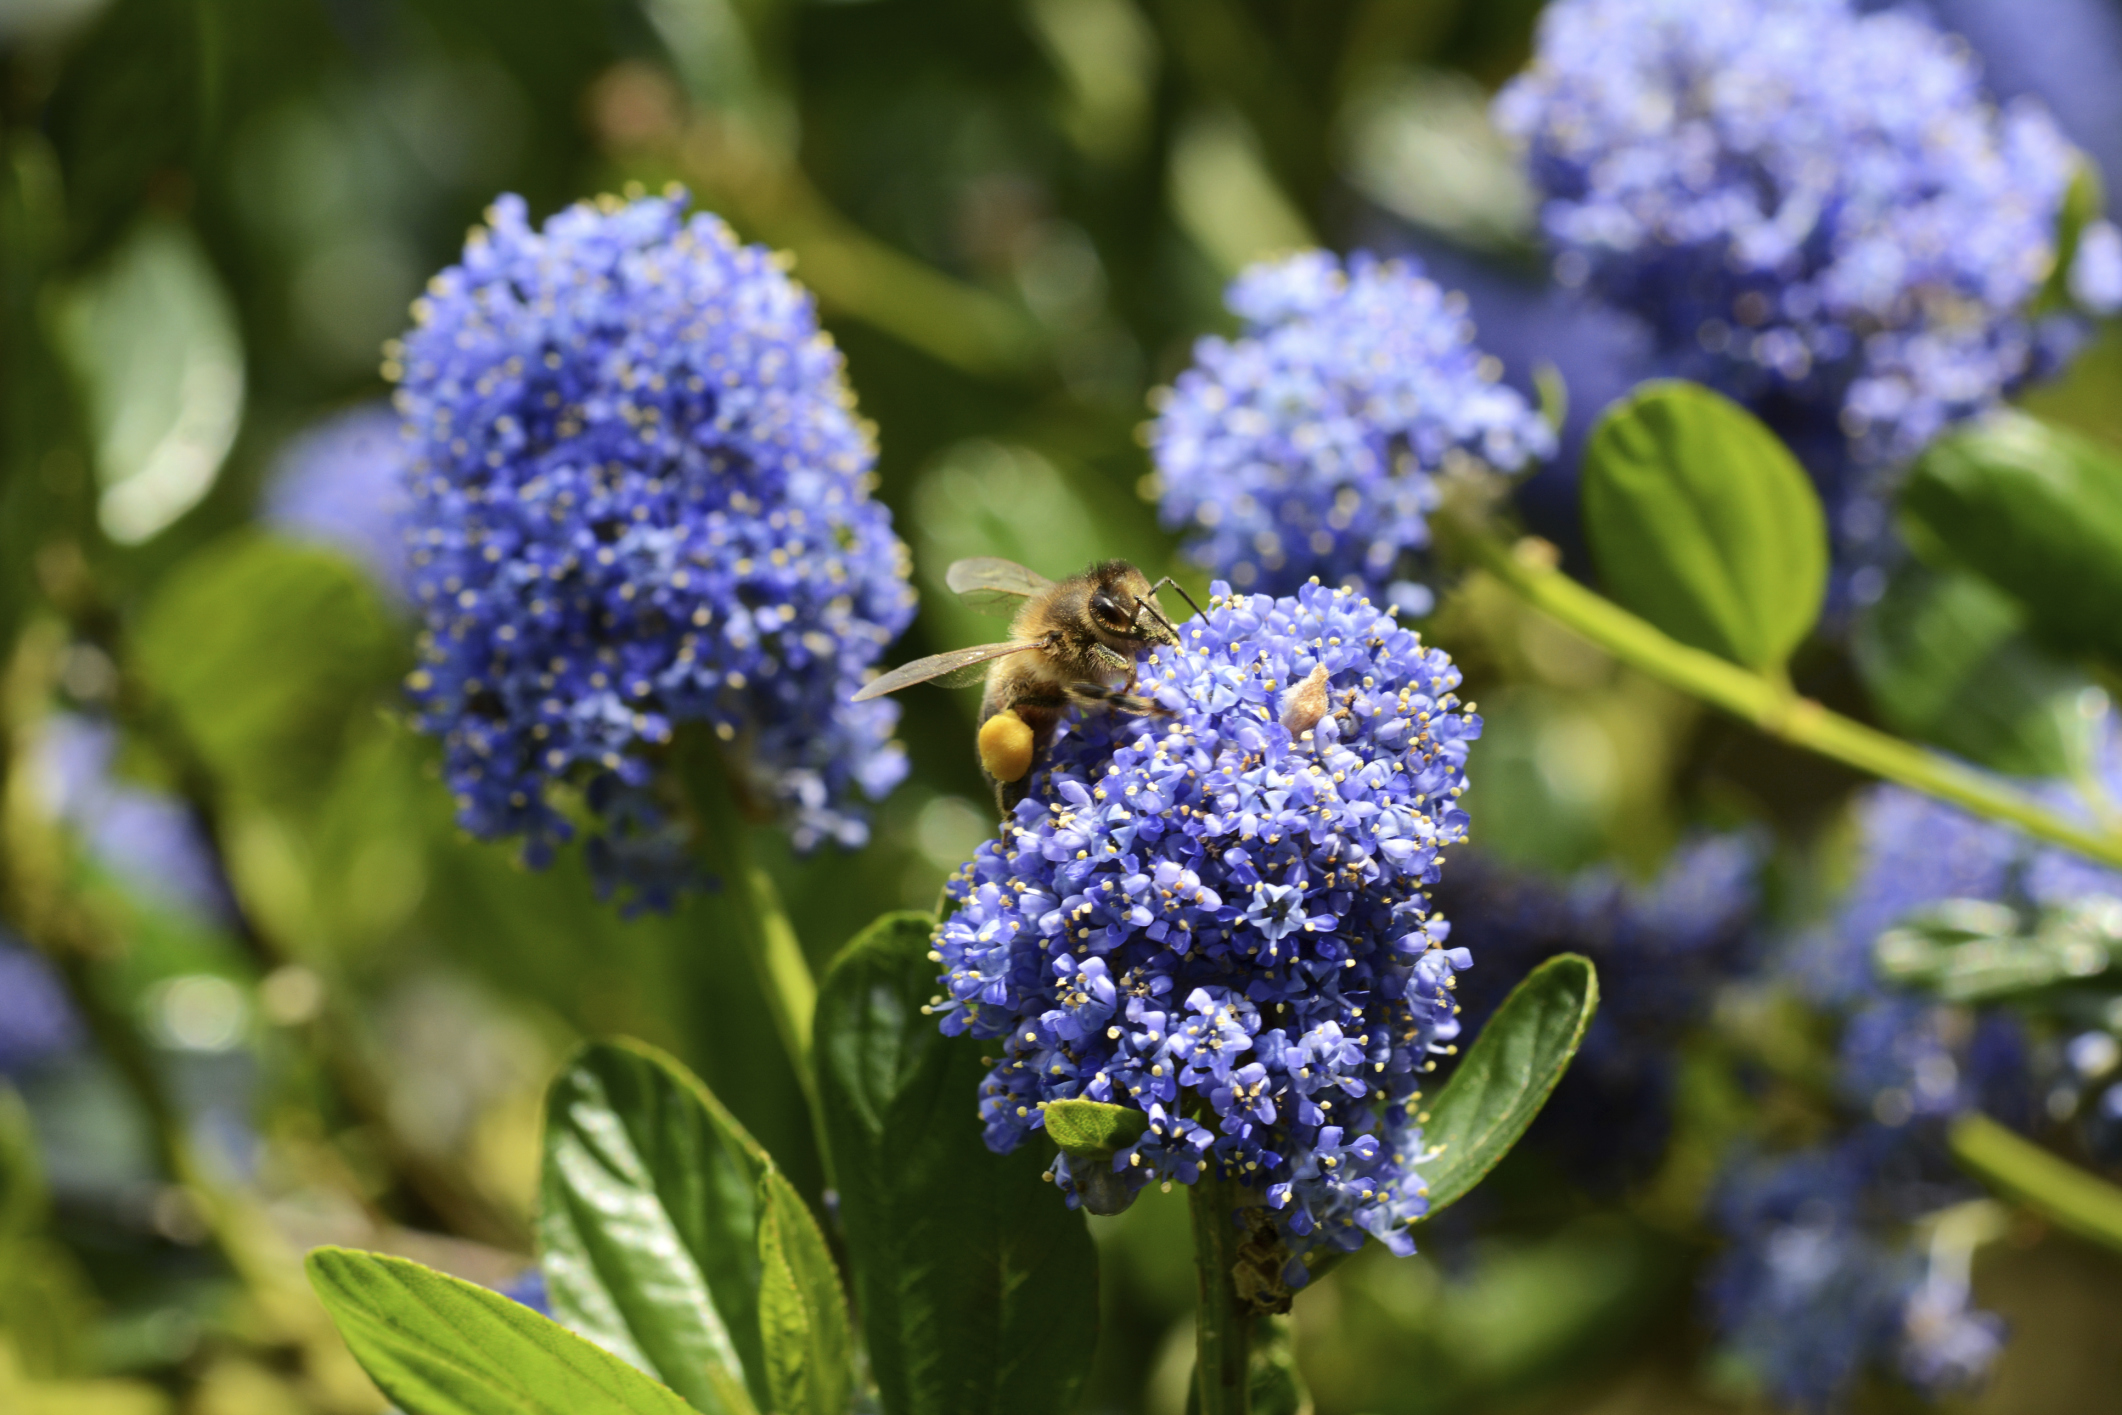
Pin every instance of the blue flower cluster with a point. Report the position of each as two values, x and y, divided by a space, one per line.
1819 1283
640 498
1815 1290
1813 207
37 1023
1310 446
342 483
1221 916
147 840
1662 950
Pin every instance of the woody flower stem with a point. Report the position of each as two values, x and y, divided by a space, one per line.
1222 1322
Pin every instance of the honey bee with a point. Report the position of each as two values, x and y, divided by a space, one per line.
1072 643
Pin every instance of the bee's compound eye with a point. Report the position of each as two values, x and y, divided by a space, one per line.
1109 612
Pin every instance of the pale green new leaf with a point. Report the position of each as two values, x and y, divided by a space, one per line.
437 1345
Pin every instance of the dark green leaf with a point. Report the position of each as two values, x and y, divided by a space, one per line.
1946 662
440 1346
802 1312
978 1288
2050 1185
1092 1128
1703 523
264 651
2037 512
647 1218
1501 1083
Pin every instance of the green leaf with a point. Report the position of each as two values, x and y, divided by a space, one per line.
24 1199
2051 1186
437 1345
648 1219
1973 950
1945 659
802 1312
978 1287
265 652
1093 1128
1501 1083
153 340
2037 512
1703 523
2083 204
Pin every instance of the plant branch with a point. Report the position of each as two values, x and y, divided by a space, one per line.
2051 1186
1223 1322
1529 569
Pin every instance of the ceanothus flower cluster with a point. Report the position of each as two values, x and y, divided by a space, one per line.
1221 916
641 499
1310 446
1814 208
342 483
1820 1281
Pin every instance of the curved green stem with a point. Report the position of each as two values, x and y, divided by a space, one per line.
2050 1185
1223 1324
1529 570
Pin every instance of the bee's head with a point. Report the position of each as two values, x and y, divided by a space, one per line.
1124 609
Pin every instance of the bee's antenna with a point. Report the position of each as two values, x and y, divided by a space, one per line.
1180 590
1143 606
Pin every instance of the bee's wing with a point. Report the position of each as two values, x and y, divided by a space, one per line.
990 583
936 665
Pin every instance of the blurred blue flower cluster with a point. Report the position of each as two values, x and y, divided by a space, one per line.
1311 445
1221 916
1820 1285
1821 1281
1662 950
342 483
1813 208
641 498
147 840
37 1022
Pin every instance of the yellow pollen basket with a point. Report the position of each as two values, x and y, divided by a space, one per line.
1006 746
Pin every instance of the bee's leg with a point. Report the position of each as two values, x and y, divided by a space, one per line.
1116 663
1116 699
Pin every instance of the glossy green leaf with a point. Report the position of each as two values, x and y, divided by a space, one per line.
437 1345
264 651
1704 524
1946 661
802 1311
1508 1074
2050 1185
2036 511
648 1219
978 1287
1092 1128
